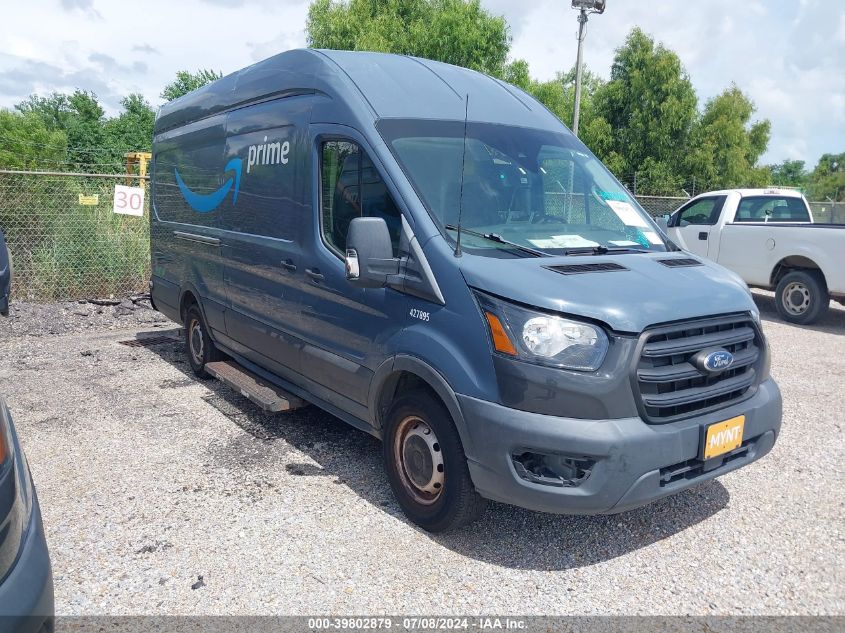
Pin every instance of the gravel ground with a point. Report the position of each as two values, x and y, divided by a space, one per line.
163 494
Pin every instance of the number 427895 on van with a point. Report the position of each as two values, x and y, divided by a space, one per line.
429 254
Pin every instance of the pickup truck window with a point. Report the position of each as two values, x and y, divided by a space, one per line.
772 209
703 212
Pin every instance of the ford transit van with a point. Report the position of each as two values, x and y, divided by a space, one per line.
429 254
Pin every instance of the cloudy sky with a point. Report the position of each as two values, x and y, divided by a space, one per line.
788 55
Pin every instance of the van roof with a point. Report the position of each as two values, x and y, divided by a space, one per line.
376 85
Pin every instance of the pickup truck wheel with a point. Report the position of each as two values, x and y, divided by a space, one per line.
426 465
198 344
801 297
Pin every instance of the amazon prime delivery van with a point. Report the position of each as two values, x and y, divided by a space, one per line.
429 254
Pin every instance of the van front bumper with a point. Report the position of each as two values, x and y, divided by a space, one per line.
634 462
26 594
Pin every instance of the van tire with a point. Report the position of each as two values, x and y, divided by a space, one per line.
456 502
198 344
801 297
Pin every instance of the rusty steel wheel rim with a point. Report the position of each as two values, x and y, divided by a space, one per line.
196 345
419 460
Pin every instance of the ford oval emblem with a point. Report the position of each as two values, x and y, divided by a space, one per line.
718 361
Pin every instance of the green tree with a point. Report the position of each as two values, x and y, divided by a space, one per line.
650 106
86 132
518 74
132 130
187 81
52 109
92 142
558 95
27 143
81 118
458 32
724 145
789 173
827 180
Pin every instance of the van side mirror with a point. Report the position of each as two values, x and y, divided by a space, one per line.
5 276
369 253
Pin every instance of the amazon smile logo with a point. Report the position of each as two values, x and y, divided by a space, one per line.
204 203
272 153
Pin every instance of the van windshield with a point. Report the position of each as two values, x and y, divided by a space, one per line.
535 188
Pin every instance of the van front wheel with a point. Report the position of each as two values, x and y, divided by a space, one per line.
426 465
198 344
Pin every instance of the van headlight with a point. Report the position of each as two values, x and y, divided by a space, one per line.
543 338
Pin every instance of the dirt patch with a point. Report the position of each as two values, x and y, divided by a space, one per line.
68 317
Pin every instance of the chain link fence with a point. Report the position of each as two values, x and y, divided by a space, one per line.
656 206
828 212
66 243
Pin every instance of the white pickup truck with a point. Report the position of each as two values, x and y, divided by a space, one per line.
768 237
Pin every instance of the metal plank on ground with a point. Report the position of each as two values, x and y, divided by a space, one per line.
266 395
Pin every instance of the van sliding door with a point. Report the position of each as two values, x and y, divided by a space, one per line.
261 240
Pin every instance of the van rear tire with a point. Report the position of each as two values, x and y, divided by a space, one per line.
198 344
426 465
801 297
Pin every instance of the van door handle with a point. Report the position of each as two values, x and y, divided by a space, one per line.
289 265
315 274
702 236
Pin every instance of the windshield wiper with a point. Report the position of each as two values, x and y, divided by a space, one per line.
601 250
495 237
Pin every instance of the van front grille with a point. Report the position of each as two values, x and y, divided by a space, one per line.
670 383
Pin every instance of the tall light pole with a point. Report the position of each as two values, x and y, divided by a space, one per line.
584 7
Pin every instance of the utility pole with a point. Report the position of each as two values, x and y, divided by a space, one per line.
584 7
579 69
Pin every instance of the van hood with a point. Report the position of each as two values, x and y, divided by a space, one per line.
646 293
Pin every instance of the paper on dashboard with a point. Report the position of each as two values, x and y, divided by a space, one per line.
563 241
625 212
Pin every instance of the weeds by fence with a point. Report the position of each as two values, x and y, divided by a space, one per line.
64 249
